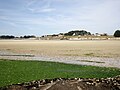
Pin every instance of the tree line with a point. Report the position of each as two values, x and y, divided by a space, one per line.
83 33
70 33
117 33
13 37
77 32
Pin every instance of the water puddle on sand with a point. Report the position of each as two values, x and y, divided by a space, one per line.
91 61
94 61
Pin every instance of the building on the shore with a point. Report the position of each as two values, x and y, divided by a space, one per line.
99 34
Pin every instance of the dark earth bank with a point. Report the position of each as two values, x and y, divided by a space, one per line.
68 84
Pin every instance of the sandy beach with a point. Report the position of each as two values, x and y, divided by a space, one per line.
104 53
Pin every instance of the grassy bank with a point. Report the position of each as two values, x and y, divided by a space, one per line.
12 72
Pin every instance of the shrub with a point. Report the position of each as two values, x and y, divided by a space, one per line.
117 33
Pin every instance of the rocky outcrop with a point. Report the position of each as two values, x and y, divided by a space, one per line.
68 84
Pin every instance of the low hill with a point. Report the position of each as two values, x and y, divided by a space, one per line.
77 33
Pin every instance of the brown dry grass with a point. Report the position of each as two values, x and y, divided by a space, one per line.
107 48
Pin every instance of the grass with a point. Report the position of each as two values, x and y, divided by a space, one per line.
12 72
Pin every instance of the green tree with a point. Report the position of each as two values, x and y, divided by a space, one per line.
117 33
77 32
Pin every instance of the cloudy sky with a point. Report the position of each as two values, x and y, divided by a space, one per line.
39 17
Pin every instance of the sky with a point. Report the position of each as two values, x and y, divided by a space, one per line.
41 17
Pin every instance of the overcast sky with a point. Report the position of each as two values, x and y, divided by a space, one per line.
39 17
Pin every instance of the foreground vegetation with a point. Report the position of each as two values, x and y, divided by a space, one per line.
12 72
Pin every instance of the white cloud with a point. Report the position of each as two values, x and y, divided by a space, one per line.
105 16
40 6
47 10
3 17
41 10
